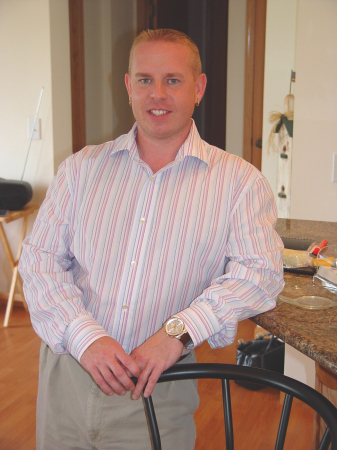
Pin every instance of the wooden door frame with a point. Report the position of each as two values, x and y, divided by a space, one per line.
254 80
76 29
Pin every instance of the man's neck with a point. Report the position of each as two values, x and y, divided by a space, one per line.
157 153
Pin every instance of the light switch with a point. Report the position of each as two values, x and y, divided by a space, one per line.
37 130
334 168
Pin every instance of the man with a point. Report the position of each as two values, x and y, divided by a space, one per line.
144 247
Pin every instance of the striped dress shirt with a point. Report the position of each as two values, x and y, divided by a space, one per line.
116 250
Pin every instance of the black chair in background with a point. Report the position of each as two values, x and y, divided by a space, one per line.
226 372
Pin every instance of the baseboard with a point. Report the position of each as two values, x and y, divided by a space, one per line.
18 300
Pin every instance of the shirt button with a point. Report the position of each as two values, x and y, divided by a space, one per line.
124 307
152 179
142 220
133 263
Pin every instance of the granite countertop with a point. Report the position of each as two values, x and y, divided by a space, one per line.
312 332
307 229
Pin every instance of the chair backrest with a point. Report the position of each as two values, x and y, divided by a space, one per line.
226 372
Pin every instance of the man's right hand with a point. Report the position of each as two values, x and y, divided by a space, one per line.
108 364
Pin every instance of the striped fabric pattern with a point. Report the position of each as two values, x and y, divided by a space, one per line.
116 250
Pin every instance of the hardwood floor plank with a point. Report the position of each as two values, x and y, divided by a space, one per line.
19 353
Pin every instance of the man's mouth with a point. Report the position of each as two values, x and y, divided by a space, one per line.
158 112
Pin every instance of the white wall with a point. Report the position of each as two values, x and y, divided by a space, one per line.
235 76
299 366
281 25
25 69
34 53
314 195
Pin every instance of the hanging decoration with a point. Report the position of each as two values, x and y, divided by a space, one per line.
281 141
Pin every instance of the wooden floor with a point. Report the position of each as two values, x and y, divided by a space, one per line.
19 355
255 414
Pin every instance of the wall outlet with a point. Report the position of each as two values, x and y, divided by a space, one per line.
334 167
37 130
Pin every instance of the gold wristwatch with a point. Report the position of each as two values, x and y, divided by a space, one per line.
175 328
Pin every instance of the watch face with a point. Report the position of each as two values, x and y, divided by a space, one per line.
175 326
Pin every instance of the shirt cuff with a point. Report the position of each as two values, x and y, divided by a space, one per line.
200 322
80 334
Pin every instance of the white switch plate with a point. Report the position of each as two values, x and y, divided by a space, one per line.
334 167
37 130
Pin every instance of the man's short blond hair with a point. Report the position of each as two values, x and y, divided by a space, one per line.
168 35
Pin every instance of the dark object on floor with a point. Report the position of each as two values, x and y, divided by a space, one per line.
265 352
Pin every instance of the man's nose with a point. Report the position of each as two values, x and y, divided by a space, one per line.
159 91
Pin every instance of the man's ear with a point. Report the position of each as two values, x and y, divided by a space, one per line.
127 80
201 85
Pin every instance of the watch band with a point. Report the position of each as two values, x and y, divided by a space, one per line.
185 339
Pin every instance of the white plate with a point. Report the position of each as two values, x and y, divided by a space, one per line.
309 301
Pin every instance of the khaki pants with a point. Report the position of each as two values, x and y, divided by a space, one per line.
73 412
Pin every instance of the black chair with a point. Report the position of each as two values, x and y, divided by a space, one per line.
227 372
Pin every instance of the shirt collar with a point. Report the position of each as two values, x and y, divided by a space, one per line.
126 142
194 146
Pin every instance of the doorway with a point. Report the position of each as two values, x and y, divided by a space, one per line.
206 22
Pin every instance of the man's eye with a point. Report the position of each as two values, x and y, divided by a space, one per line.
145 80
173 81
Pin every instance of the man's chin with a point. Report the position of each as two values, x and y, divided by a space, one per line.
167 129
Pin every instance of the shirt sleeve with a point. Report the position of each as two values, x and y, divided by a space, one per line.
54 301
253 273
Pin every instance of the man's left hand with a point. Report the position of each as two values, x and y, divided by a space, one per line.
154 356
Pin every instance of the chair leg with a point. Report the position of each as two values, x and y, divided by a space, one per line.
281 435
14 266
226 395
10 300
151 417
326 440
